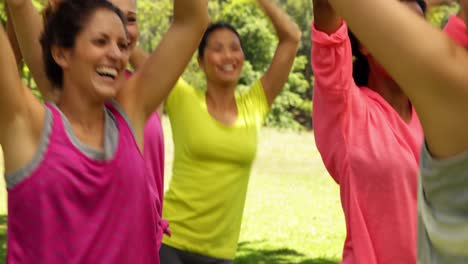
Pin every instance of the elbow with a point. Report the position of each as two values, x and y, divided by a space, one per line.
296 35
293 37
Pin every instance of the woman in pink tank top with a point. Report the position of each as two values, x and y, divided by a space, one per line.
28 18
79 189
369 137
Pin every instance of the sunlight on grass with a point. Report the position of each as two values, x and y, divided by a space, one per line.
292 204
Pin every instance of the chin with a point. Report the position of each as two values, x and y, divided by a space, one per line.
106 93
229 79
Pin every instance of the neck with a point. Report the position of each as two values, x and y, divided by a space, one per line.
221 96
85 116
393 94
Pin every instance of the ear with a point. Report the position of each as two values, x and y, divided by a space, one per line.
200 63
61 56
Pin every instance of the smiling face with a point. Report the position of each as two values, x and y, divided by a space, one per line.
129 9
223 57
99 57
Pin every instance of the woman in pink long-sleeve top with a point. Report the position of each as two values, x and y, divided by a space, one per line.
369 137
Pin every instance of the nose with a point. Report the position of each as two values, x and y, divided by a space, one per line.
116 52
228 54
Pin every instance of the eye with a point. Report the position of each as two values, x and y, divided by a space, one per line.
100 41
217 48
131 19
236 48
123 45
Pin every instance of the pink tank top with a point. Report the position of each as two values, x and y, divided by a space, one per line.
73 209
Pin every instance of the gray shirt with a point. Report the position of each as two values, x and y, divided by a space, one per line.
443 209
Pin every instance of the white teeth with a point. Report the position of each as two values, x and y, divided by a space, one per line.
106 71
229 67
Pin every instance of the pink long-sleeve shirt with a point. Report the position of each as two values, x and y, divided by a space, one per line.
456 30
370 152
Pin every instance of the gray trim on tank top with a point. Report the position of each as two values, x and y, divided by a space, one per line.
13 178
111 137
122 112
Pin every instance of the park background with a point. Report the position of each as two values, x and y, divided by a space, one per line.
293 212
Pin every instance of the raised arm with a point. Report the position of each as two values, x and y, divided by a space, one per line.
431 69
153 81
12 37
325 17
10 86
332 58
28 26
289 37
463 10
138 58
21 115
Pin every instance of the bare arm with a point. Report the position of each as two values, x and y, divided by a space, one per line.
289 37
12 37
10 93
138 58
433 72
28 26
463 11
325 17
152 82
21 115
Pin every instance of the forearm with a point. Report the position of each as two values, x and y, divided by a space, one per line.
325 17
285 28
12 37
28 26
463 10
191 11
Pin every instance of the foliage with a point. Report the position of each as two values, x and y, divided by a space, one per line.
293 106
2 13
439 15
153 19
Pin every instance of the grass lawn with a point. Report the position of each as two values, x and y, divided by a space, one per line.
292 213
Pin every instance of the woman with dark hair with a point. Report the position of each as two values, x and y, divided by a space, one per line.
79 189
369 137
29 25
215 140
435 77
